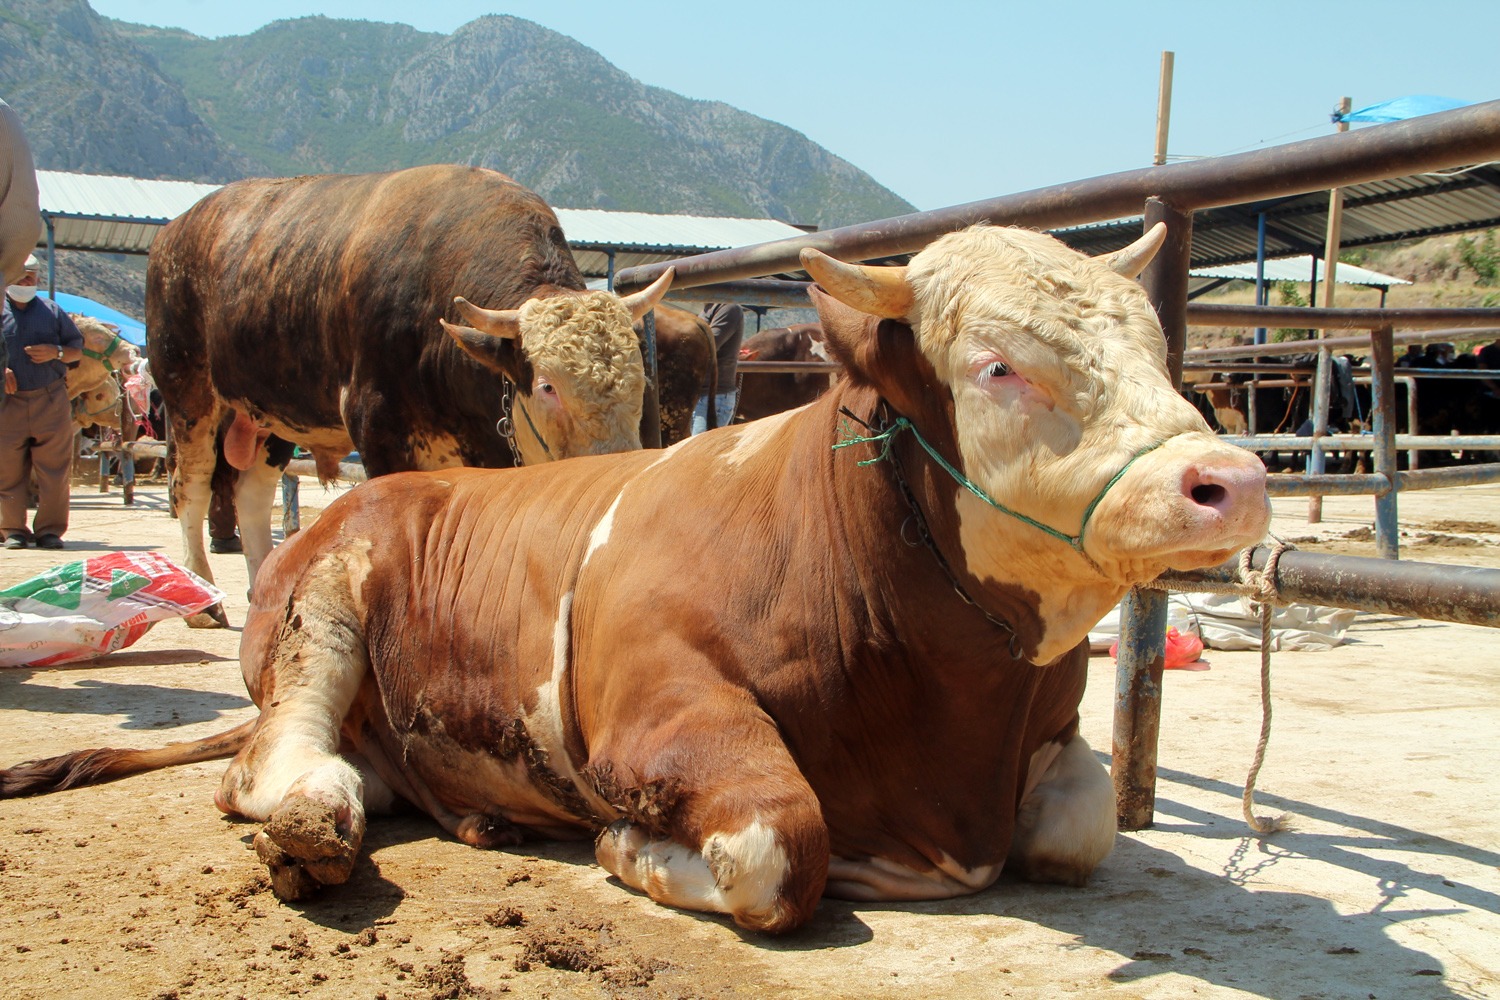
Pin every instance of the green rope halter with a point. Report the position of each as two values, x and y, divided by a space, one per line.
884 438
104 355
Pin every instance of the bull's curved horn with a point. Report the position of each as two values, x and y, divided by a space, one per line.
879 291
1132 260
641 302
496 322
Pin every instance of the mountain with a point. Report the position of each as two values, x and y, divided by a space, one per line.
316 95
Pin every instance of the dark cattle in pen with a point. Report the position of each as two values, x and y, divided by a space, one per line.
765 393
308 311
724 661
684 361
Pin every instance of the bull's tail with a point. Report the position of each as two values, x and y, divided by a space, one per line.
94 767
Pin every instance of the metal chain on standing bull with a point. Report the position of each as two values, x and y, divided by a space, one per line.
506 425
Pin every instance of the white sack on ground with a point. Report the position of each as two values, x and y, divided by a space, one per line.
1226 621
80 610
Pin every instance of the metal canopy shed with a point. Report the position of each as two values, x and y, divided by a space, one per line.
123 214
1401 208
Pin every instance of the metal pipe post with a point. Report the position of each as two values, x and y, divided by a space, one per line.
1143 629
1143 615
1383 402
1315 458
651 403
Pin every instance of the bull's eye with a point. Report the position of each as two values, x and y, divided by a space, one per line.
545 388
997 369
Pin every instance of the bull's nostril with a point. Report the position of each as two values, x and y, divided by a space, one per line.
1209 494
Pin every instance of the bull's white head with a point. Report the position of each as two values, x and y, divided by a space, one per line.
576 363
1054 366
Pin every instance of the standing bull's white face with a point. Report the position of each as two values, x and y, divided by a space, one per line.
1057 369
577 364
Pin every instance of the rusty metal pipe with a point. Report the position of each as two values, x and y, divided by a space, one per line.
1431 142
1205 314
1465 594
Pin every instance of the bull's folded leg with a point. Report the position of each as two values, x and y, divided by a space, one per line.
1066 822
290 774
746 838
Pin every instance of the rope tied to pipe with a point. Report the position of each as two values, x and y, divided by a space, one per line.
1261 589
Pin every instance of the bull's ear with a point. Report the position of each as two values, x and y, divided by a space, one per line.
878 352
495 351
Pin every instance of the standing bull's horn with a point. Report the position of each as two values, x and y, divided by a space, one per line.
879 291
641 302
1132 260
495 322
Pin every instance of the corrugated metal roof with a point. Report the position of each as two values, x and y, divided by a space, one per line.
113 214
123 215
1387 211
1299 269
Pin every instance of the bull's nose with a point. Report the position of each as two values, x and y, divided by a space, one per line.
1226 487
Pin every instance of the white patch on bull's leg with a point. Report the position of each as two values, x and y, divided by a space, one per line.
740 874
290 773
193 487
1066 823
879 878
254 494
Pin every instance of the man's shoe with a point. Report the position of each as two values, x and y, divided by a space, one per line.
49 542
220 546
16 542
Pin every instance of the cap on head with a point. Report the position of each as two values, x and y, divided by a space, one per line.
32 264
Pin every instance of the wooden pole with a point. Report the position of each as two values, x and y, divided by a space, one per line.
1330 268
1163 109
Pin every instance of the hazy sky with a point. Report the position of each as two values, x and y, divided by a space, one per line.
946 102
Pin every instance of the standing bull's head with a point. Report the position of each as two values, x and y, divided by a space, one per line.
576 364
1058 407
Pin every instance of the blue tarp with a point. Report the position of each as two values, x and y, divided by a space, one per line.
1403 108
132 330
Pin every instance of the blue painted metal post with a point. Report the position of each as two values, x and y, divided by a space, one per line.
1383 402
1260 271
1143 614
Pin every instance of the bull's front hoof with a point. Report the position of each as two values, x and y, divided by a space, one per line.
212 617
303 850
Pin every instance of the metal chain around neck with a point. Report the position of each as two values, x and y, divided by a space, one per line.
506 425
924 531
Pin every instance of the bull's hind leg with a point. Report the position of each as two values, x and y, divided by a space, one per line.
254 494
291 775
734 828
1066 823
194 450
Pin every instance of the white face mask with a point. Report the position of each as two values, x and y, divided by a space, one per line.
21 294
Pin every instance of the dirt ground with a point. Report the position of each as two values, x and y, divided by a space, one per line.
1387 886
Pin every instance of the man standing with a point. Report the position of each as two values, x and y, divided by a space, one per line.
36 422
727 321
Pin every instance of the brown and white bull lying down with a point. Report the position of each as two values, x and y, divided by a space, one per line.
725 660
308 309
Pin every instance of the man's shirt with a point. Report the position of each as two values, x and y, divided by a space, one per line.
38 322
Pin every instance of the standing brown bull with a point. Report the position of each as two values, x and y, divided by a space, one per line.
309 309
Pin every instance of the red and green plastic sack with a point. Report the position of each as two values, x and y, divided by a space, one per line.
81 610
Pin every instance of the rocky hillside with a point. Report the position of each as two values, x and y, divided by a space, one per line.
319 95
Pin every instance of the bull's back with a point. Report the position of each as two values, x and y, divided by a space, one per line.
279 292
